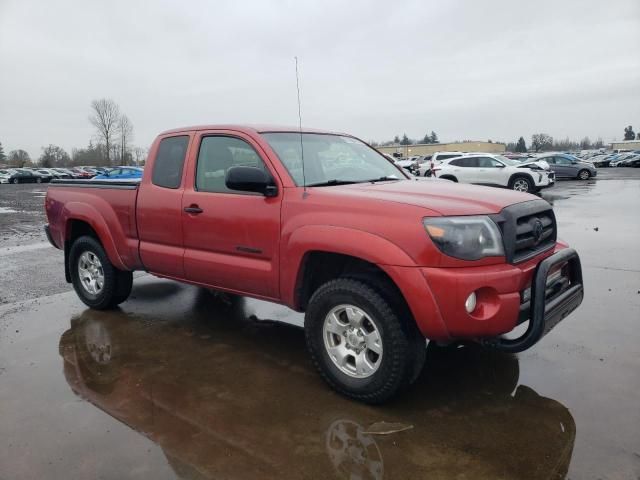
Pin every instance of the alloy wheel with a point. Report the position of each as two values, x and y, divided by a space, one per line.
352 341
91 273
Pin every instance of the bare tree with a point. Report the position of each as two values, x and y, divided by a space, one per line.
54 156
125 130
140 155
19 158
105 116
541 141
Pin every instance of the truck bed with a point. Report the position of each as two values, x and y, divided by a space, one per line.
108 207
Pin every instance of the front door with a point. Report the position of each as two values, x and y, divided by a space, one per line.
490 172
563 167
231 238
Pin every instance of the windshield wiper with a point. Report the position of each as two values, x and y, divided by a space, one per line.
383 179
334 181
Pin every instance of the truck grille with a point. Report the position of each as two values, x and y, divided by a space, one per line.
528 229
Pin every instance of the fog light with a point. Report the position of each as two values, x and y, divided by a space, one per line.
470 303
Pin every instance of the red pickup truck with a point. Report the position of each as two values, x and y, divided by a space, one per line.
323 223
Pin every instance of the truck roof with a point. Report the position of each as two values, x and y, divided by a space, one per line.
251 129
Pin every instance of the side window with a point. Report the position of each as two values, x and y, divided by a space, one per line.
456 163
549 160
562 161
219 154
469 162
167 169
487 162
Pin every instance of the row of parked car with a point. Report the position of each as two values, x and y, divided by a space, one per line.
611 159
45 175
518 172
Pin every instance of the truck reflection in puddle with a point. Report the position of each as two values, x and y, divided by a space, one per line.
227 395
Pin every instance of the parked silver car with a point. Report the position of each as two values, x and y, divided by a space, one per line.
568 166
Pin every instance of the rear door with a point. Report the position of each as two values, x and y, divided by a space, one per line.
159 207
231 238
465 169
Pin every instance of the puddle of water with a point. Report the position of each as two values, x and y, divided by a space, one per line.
184 383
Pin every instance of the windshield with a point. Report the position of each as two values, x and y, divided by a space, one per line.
330 159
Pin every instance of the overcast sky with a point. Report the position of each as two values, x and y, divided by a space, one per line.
466 69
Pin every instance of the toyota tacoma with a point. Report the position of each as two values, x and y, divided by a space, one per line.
321 222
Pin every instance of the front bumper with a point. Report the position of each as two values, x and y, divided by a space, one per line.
436 295
544 180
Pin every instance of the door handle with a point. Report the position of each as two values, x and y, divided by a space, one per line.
193 209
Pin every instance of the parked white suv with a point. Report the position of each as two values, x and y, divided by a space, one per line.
425 169
497 171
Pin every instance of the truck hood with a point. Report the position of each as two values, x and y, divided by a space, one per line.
441 196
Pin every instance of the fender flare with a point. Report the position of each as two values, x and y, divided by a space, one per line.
90 215
333 239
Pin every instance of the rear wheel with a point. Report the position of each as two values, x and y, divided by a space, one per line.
38 180
359 344
96 281
584 174
521 184
15 181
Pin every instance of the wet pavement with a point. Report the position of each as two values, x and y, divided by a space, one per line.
183 383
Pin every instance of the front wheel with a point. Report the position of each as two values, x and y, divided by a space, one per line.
15 181
358 343
584 174
96 281
521 184
38 180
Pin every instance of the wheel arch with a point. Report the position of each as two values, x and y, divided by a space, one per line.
335 250
82 219
318 267
517 175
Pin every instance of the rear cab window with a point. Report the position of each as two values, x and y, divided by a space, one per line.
169 163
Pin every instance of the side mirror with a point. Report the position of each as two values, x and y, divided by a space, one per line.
250 179
499 165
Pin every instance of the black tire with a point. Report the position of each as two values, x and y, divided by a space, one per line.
403 347
117 283
584 174
15 181
38 180
516 182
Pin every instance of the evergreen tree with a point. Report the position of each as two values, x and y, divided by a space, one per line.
405 140
521 146
3 157
434 137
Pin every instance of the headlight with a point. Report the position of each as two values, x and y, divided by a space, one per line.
466 238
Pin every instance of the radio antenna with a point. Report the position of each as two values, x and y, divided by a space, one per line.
304 179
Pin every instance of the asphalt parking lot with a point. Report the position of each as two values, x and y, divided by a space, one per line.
183 383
